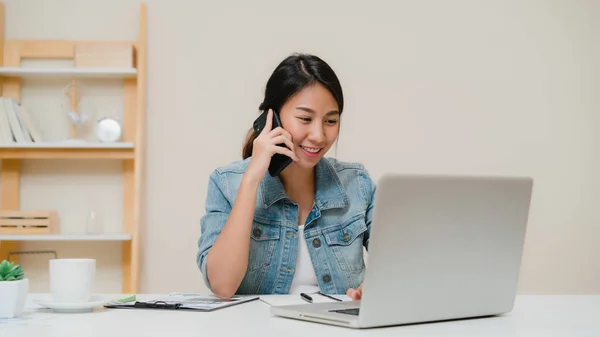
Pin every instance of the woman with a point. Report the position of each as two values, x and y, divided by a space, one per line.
304 228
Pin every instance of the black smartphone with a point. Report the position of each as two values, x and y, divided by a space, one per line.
278 161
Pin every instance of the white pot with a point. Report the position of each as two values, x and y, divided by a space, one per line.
13 294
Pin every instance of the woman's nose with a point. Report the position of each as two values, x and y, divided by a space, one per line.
317 134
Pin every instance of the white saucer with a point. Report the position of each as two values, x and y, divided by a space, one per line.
69 307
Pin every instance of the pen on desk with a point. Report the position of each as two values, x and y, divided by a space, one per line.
306 297
328 296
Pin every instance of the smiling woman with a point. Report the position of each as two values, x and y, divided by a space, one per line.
304 83
303 230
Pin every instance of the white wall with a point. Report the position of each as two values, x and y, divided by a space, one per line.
474 87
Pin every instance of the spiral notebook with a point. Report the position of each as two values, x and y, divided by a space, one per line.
183 302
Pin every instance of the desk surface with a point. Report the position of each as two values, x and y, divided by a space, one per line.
543 316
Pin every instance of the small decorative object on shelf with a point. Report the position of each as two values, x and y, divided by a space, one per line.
28 222
108 130
13 289
77 118
94 223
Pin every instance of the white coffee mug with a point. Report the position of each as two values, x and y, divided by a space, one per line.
72 280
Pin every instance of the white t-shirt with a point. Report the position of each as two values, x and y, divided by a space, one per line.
305 279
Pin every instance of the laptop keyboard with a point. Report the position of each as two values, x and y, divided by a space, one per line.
351 311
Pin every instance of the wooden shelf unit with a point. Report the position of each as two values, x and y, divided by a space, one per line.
130 151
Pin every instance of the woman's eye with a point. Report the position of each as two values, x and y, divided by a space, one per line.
331 121
304 119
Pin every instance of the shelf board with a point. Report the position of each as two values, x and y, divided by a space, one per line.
65 237
99 73
68 145
67 150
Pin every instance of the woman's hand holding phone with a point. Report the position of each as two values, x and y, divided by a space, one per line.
265 146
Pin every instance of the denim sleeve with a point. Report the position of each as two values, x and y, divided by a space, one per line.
370 195
217 212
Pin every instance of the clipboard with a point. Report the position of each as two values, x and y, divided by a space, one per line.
192 302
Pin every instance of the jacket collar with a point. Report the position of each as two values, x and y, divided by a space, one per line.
329 190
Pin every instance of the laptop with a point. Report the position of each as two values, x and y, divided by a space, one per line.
441 248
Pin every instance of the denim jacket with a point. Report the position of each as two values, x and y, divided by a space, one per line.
336 229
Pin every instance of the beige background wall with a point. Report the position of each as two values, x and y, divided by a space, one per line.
471 87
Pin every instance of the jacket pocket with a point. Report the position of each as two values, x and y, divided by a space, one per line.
345 241
263 241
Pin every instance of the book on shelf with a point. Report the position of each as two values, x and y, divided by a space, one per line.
17 125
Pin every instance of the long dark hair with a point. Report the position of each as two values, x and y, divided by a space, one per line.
293 74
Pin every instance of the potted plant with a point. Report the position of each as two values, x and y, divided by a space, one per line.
13 289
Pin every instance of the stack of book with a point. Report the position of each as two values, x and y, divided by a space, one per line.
16 123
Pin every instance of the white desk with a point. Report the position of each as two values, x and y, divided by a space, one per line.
533 316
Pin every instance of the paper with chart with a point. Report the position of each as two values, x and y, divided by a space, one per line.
201 302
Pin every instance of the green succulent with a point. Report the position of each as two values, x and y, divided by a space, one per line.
10 272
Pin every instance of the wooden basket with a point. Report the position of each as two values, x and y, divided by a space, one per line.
28 222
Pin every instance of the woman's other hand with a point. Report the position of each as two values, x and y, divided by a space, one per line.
355 294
